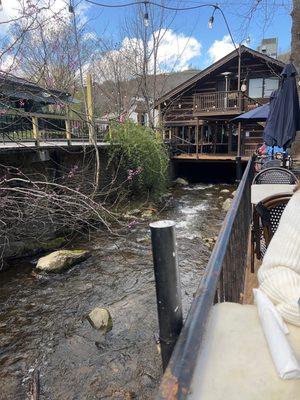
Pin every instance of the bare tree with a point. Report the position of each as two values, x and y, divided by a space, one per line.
50 56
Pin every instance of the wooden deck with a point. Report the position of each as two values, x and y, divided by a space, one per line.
207 157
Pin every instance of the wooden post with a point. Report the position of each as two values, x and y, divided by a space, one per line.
201 139
197 139
229 138
189 138
90 108
68 127
239 146
35 129
215 137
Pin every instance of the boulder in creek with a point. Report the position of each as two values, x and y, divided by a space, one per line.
100 319
225 191
181 181
61 260
227 204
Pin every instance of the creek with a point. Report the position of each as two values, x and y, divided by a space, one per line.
42 317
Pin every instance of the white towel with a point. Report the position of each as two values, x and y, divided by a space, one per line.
275 329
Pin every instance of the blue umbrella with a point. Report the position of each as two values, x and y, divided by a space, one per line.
284 117
258 114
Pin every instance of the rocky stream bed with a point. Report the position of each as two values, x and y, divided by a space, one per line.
43 320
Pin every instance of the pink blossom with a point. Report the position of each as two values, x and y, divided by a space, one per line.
72 171
132 173
132 224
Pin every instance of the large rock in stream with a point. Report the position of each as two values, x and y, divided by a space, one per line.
181 182
61 260
100 319
227 204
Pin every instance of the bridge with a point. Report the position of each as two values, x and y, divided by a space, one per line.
31 130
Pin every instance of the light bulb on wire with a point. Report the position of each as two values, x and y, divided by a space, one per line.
211 22
146 19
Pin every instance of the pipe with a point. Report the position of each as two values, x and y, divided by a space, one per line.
168 292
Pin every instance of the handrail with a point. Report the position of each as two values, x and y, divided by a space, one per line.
217 101
18 126
177 379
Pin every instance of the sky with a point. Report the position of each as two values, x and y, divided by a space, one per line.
189 35
188 42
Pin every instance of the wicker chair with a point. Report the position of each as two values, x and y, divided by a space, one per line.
266 217
275 175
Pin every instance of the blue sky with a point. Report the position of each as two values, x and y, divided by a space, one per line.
264 23
188 42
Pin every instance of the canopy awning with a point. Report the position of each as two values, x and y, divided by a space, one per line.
258 114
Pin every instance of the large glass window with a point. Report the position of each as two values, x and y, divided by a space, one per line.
271 84
262 87
256 88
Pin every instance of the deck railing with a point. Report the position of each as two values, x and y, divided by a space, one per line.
223 281
36 127
218 102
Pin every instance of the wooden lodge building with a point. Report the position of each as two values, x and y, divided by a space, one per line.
197 115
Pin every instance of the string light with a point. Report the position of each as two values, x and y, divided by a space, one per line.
212 18
71 8
146 19
211 22
166 7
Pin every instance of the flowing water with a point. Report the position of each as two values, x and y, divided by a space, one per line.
42 319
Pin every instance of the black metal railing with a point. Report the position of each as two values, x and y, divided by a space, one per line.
223 281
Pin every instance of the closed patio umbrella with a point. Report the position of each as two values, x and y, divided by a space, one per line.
284 118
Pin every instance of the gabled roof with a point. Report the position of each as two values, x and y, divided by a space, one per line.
216 65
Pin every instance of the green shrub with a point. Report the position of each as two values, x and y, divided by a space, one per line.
143 156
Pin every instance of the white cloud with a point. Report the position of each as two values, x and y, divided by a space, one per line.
46 9
174 53
220 48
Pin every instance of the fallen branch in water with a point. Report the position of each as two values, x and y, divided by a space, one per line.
35 385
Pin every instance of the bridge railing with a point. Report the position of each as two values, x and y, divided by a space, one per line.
223 281
36 127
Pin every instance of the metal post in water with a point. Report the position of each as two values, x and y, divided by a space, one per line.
168 292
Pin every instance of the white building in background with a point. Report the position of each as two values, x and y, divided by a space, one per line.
269 47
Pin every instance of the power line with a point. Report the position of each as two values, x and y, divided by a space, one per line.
170 8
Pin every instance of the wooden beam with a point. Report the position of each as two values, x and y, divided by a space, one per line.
90 108
197 139
239 147
35 129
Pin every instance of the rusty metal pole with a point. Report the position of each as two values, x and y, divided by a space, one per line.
168 292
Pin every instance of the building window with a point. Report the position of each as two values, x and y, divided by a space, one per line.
260 88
